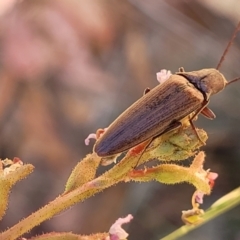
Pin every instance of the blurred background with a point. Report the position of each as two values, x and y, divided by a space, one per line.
68 68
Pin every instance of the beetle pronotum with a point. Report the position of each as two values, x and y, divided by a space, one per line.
162 109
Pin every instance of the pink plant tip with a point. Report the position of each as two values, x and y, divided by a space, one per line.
211 176
90 136
95 136
199 197
163 75
116 232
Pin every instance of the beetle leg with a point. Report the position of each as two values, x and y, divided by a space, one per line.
194 129
173 126
208 113
181 69
204 105
147 90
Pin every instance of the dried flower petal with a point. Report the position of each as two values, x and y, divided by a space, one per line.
109 160
192 217
11 165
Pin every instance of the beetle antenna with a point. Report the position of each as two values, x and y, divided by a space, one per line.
228 46
234 80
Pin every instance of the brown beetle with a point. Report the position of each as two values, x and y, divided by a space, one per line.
162 109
